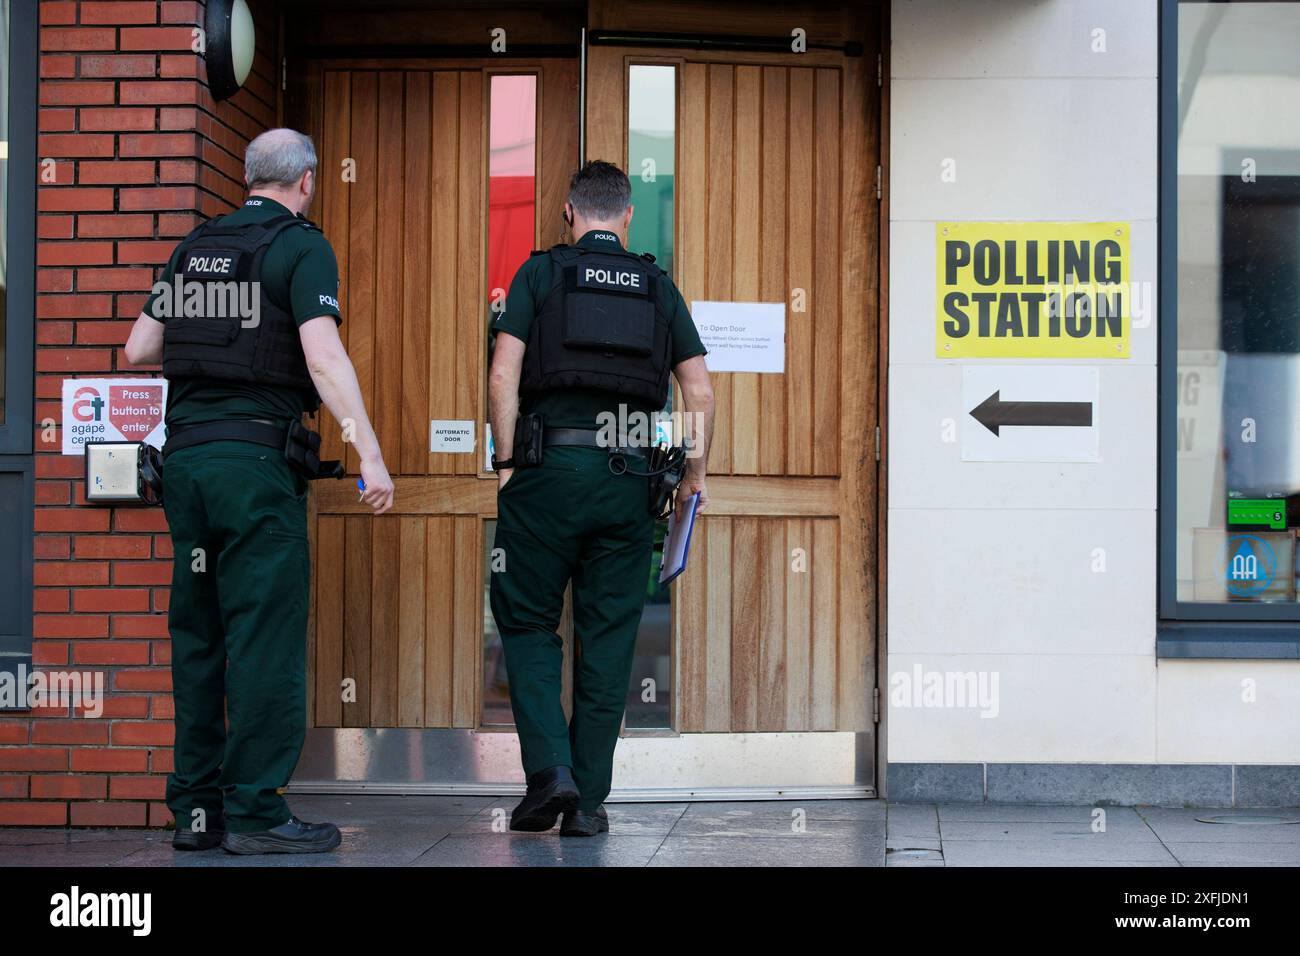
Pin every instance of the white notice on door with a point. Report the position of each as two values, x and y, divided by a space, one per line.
451 436
742 336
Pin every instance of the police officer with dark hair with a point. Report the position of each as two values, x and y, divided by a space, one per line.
589 335
245 323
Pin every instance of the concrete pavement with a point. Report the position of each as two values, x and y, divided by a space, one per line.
381 830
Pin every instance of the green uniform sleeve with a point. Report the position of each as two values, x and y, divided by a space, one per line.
314 279
167 277
521 303
686 337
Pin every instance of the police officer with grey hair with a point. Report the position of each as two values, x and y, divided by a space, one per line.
237 462
589 331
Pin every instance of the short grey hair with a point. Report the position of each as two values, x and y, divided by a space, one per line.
600 191
278 157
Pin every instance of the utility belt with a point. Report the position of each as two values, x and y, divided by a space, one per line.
299 444
662 464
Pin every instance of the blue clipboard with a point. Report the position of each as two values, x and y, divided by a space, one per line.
677 543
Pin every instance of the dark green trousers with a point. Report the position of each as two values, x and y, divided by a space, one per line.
238 620
571 520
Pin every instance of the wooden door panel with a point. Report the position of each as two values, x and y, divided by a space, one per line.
398 601
399 611
759 191
775 616
757 646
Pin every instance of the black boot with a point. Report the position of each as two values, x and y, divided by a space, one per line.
208 839
291 837
585 823
550 793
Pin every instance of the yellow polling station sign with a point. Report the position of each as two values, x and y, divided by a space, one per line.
1033 290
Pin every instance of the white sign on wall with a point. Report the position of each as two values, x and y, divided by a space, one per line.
1030 413
742 336
112 409
449 435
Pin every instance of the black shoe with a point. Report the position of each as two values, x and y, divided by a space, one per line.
585 823
291 837
550 793
200 839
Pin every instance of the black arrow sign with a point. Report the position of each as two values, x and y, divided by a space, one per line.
993 413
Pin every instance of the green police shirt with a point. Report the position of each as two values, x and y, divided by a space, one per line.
580 408
301 276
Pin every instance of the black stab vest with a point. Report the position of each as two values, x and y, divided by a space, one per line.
601 326
223 346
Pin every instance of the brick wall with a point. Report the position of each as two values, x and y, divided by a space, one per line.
141 154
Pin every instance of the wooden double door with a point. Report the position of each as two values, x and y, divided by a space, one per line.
773 626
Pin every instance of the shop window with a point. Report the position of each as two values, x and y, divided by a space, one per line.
18 45
5 81
1230 344
17 224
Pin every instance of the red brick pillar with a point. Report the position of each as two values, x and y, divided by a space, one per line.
133 153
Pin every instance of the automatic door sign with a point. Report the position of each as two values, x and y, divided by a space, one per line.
1248 565
1032 290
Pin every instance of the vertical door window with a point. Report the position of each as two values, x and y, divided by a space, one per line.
512 179
511 229
651 165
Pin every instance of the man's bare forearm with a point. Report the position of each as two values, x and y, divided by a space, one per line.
336 381
503 404
697 425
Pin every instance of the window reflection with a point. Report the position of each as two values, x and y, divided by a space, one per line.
651 159
1238 436
4 197
512 174
511 228
496 688
651 163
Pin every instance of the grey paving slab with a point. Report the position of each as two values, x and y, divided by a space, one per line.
371 845
1202 785
912 818
1214 854
908 841
829 819
1117 829
96 853
931 782
1215 866
1003 813
1097 864
550 850
1181 826
35 836
625 819
1268 785
913 864
769 851
1046 852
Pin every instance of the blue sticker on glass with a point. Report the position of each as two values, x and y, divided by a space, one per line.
1248 565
